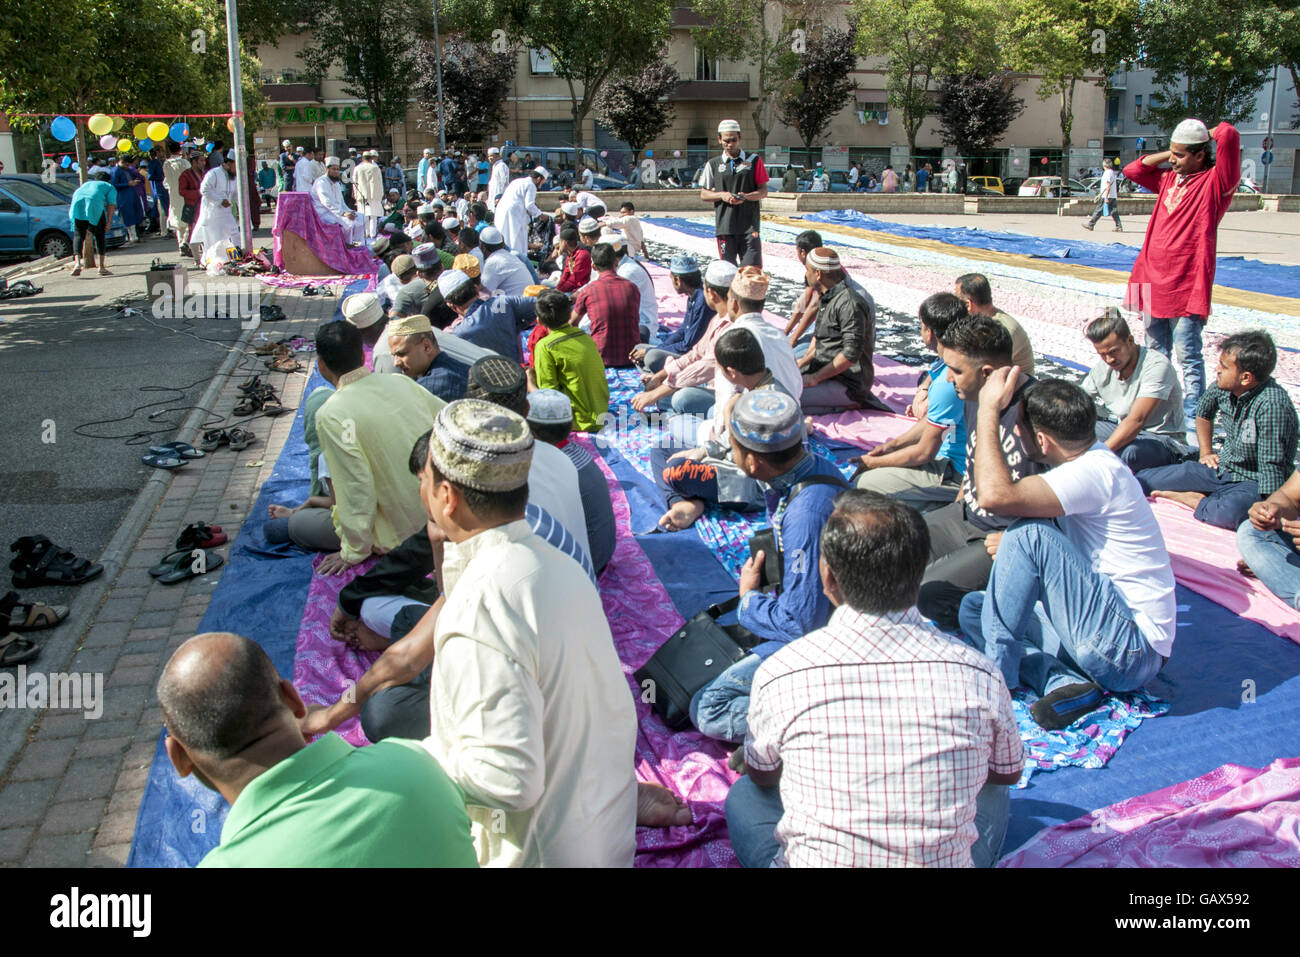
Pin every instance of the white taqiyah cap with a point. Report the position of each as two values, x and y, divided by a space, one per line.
729 126
1190 132
332 161
720 273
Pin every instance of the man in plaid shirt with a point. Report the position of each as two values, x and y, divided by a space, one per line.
1259 446
612 304
891 744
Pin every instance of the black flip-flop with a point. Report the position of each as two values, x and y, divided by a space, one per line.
183 568
172 461
183 449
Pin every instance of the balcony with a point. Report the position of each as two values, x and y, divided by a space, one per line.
723 87
1114 127
279 92
685 17
1118 80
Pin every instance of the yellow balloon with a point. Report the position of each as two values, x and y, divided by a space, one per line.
100 124
118 123
141 131
124 145
230 124
158 131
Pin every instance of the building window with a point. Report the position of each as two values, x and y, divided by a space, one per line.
540 62
1137 108
706 68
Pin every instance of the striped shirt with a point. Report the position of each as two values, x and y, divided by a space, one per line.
553 533
1259 428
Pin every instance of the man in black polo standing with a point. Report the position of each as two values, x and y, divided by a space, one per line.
735 183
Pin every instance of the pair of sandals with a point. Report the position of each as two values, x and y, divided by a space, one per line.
184 564
282 360
237 438
38 561
258 397
172 455
18 616
200 535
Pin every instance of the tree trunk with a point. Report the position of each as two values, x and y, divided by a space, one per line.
1067 124
79 146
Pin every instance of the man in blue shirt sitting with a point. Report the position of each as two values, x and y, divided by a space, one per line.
491 322
688 282
416 354
767 443
924 466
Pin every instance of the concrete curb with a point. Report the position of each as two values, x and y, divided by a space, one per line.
59 650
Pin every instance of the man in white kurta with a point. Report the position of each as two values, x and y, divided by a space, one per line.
327 199
175 165
498 179
305 172
216 228
530 713
368 192
517 208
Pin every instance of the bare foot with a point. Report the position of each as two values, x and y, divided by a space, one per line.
1190 499
682 515
279 511
1244 568
658 807
367 640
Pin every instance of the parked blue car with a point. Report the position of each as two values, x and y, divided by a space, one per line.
839 182
34 217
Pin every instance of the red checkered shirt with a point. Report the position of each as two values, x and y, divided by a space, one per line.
613 304
885 730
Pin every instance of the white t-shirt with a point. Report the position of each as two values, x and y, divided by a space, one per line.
778 356
1109 519
553 485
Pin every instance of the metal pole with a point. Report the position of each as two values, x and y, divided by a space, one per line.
437 52
1272 104
237 107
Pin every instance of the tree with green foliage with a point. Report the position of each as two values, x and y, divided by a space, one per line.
1283 21
475 83
589 41
373 42
761 33
922 41
1215 54
65 56
975 109
1069 42
821 84
637 108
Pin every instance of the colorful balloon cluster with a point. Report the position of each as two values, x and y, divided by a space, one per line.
147 134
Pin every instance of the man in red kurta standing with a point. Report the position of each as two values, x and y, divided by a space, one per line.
1174 272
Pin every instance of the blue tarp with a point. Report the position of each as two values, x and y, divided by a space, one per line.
1234 272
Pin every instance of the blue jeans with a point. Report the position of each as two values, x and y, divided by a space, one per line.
1274 560
1227 501
753 813
692 399
1086 632
1148 450
721 708
1183 334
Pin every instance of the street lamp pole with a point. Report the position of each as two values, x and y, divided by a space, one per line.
1272 104
437 53
237 107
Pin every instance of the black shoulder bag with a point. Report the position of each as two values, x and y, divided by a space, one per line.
702 649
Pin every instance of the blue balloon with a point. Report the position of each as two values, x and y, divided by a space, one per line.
649 154
145 145
179 131
65 162
207 147
63 128
76 167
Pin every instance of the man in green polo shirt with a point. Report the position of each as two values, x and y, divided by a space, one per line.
233 723
568 361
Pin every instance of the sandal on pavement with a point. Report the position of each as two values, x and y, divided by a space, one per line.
171 461
284 363
182 449
182 569
30 616
17 650
213 439
200 535
40 562
240 439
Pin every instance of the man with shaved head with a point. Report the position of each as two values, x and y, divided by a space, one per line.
232 721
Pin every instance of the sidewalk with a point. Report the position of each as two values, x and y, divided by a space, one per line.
71 795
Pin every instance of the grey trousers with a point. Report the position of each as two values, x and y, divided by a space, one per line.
959 565
313 529
924 487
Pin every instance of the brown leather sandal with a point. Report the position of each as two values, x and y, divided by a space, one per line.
30 616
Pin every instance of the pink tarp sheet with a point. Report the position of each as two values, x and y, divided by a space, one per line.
1232 817
294 212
